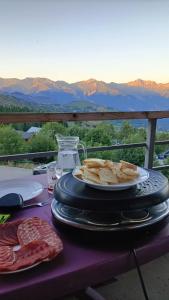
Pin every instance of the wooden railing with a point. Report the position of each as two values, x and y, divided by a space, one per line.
151 116
7 118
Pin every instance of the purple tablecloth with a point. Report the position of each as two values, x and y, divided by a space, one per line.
79 265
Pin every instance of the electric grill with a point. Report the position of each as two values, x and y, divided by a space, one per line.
79 206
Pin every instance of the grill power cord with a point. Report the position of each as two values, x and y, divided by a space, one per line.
133 251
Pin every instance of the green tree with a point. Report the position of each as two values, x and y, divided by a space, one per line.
11 142
108 128
53 128
126 130
41 142
77 131
111 155
141 132
98 137
133 155
166 172
159 137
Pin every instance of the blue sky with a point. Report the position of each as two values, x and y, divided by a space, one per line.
73 40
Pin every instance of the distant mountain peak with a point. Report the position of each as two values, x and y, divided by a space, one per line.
90 80
88 95
143 83
44 89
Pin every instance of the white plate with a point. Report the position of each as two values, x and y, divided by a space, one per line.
143 175
23 269
27 188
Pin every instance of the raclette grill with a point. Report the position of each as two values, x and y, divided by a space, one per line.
80 206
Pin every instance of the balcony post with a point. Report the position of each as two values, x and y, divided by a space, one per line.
149 154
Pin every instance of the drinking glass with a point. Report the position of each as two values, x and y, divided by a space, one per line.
54 172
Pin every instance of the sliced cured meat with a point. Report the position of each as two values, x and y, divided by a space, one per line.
28 255
37 239
7 257
11 229
8 233
28 231
37 229
5 253
49 236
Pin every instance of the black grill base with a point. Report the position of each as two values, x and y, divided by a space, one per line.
116 240
109 221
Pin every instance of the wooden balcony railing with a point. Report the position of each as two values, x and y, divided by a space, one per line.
151 116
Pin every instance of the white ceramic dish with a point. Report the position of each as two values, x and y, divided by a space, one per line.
143 175
27 188
21 270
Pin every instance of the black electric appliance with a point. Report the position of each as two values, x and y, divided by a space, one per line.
79 206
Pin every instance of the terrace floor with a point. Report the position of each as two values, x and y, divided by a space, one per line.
155 273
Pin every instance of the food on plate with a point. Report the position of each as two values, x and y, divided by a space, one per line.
36 240
7 256
90 176
94 162
106 172
79 173
8 233
37 229
31 253
107 176
125 164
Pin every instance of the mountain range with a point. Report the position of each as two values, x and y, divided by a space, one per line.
131 96
89 95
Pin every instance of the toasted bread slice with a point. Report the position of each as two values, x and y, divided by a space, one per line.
107 176
94 170
125 164
91 176
94 162
109 164
130 172
122 177
79 173
82 168
102 171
